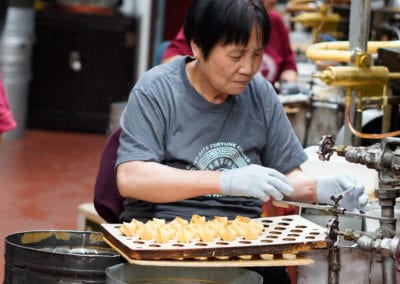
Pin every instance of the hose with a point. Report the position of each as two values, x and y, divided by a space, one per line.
366 135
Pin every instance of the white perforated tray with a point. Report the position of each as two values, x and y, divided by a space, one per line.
282 234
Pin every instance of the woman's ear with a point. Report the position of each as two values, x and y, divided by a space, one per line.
195 49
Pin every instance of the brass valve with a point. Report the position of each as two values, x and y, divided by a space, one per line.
351 76
361 74
369 82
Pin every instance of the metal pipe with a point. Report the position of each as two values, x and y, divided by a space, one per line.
357 125
307 7
333 265
318 20
387 201
394 76
339 50
386 247
360 11
366 135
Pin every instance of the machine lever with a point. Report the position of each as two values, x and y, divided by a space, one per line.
328 208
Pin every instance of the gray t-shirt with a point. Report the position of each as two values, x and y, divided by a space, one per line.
167 121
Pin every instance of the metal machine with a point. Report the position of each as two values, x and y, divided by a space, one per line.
323 21
367 84
385 158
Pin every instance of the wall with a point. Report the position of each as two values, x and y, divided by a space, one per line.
174 16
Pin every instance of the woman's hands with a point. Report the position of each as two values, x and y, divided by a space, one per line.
255 181
353 196
262 182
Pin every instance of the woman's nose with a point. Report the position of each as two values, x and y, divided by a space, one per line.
246 68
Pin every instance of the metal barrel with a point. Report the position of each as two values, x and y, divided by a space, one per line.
48 257
356 266
16 46
19 22
131 273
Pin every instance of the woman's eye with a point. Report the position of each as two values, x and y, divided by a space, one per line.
235 56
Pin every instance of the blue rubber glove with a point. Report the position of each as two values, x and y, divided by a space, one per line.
255 181
353 200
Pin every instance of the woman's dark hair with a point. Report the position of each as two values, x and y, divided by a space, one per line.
209 22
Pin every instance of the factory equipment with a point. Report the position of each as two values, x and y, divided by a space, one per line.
365 85
323 21
384 157
295 6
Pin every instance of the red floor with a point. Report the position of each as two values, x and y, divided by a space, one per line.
43 179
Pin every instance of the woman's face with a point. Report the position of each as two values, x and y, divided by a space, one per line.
230 68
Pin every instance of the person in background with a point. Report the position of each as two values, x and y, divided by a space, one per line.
7 122
207 135
278 65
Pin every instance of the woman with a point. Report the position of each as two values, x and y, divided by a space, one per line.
7 122
207 135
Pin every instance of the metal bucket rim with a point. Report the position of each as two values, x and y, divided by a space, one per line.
121 266
7 241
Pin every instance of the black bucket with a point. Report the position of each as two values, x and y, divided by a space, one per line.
57 257
138 274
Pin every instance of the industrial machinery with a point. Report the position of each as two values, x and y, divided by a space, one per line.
365 85
364 82
384 240
384 157
323 21
368 83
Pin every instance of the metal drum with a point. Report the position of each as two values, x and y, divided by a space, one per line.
356 266
16 45
136 274
57 257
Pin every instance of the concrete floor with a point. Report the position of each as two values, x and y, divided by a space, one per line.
43 178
